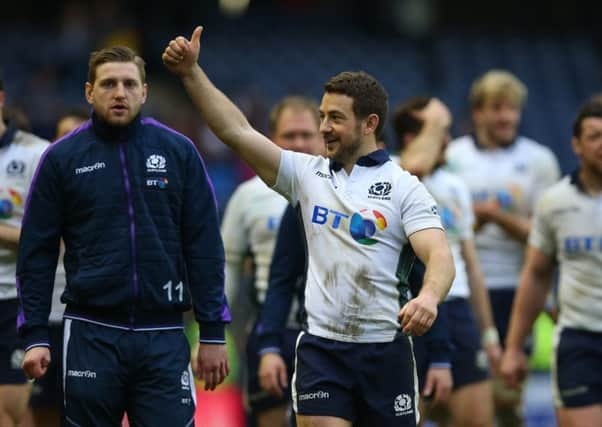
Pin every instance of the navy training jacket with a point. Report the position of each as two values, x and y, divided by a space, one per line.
137 212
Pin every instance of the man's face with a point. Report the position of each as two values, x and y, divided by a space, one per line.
588 146
297 130
118 92
499 119
340 128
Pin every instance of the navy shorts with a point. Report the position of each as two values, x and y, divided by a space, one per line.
468 361
48 390
11 347
367 384
501 306
576 372
259 399
108 371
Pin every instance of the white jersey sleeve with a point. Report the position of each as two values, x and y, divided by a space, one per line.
418 209
542 234
236 242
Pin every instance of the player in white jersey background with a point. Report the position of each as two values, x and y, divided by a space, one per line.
19 155
359 210
421 123
567 231
505 173
249 228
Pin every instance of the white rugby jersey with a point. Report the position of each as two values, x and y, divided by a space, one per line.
567 226
355 227
455 209
514 176
250 227
20 153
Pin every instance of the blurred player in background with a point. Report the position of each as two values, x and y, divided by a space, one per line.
567 231
505 173
420 124
249 226
20 153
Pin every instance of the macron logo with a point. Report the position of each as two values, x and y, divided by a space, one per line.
315 395
91 168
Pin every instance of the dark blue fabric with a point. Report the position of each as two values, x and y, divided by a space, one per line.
369 384
287 280
137 213
110 371
11 347
578 372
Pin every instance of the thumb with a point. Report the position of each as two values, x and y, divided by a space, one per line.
195 38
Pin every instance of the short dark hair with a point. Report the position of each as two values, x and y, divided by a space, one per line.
591 108
405 120
114 54
82 113
368 95
295 102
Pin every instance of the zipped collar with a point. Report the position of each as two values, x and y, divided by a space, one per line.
110 133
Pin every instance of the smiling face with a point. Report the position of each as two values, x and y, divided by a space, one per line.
340 128
117 93
498 119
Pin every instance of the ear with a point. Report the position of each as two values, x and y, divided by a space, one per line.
89 93
371 124
144 92
407 138
575 143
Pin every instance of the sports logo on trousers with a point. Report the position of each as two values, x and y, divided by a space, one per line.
16 358
156 163
403 405
185 380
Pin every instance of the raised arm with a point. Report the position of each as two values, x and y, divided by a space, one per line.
223 117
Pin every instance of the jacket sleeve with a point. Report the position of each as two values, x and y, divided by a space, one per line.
288 265
38 252
203 251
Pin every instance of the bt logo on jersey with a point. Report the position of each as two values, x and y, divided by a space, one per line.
363 225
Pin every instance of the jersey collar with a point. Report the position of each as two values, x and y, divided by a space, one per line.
375 158
576 181
9 135
480 146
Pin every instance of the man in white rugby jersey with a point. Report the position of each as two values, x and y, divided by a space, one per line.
249 227
422 124
567 232
505 173
354 362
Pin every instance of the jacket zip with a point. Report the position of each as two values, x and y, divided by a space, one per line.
128 191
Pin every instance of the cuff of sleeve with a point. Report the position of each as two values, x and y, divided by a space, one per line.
440 365
268 341
266 350
440 353
36 336
212 333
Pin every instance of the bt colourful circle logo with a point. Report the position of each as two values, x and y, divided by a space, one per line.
364 225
